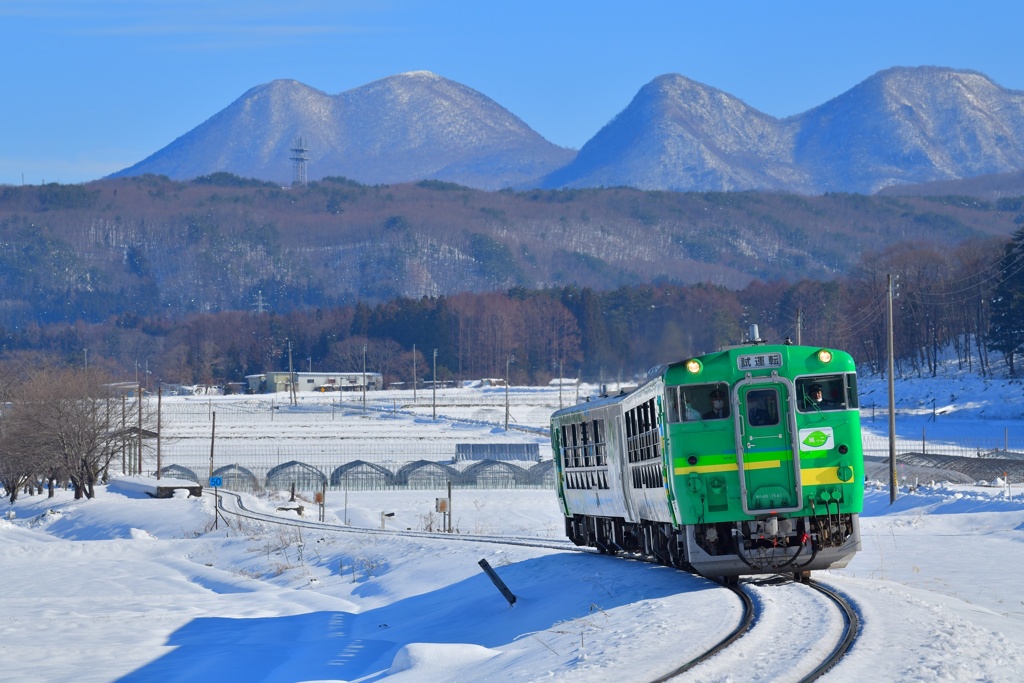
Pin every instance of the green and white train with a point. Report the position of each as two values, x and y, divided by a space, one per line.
744 461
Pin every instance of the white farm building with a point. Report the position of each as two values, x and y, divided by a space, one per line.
271 382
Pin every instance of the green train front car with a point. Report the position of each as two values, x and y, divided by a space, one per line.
764 446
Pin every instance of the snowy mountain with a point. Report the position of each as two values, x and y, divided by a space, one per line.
911 126
678 134
902 125
407 127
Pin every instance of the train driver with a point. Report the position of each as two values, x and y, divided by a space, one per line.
719 408
815 399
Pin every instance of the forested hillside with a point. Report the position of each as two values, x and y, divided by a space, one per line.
150 246
210 280
943 299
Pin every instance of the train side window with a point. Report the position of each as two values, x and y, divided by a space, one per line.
587 445
680 405
599 444
852 398
697 402
576 460
672 404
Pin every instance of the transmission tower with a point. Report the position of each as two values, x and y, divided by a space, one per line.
299 160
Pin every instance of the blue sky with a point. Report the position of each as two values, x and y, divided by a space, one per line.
89 87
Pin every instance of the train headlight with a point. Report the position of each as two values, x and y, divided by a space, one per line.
693 366
825 356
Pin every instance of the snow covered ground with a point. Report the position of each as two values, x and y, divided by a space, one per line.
125 587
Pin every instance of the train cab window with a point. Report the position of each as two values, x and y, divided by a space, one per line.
826 392
698 402
762 407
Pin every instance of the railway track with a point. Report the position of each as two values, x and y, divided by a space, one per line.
850 630
851 627
763 633
749 614
245 513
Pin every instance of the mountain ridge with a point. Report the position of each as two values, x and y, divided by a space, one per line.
900 125
412 126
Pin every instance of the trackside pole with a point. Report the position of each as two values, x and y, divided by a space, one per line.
215 484
498 582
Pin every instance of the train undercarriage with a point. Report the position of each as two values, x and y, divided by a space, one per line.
771 545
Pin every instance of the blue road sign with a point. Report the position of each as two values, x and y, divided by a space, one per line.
216 482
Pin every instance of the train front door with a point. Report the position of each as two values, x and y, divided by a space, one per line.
766 452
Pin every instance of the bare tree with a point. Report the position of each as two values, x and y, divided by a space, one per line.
73 419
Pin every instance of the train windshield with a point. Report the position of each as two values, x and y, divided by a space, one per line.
827 392
694 402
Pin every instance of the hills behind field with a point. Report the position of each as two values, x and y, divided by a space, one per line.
153 246
902 125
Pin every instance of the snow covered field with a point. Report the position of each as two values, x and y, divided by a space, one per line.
124 587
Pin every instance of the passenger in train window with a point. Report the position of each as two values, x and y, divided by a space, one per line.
719 408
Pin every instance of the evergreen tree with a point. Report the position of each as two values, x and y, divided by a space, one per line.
1006 325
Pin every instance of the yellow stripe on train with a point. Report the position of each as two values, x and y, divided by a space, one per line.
728 467
810 476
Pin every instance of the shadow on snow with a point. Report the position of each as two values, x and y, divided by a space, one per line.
550 590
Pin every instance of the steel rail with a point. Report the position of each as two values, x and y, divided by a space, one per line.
746 621
850 631
528 542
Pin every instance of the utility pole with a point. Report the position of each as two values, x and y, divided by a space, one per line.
364 378
559 385
508 361
291 376
414 374
893 483
159 403
449 506
213 435
139 389
434 383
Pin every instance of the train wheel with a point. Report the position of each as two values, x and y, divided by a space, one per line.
675 557
648 541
